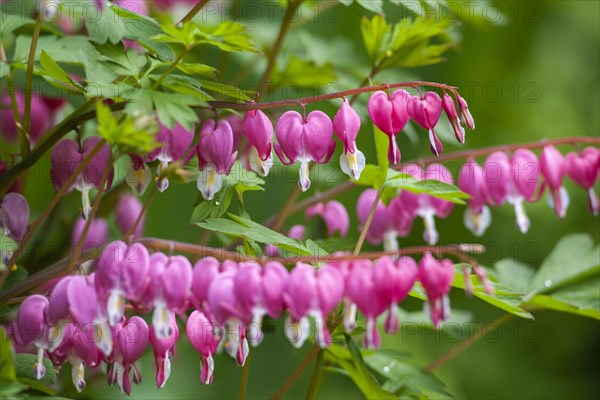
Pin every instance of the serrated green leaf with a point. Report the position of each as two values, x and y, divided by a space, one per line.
53 70
304 73
171 108
228 36
227 91
573 259
375 32
514 274
400 374
130 134
197 69
581 299
105 25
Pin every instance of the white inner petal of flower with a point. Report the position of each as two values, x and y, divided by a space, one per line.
115 307
209 182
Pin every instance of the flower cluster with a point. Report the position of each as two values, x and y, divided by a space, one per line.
85 321
516 178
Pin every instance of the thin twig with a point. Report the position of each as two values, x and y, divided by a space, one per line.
324 97
143 211
192 13
283 30
367 224
244 377
314 380
29 73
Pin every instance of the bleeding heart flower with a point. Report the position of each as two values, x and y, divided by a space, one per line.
128 210
163 348
477 217
465 115
175 142
41 117
32 328
334 214
390 115
201 333
436 277
168 289
304 139
450 110
215 156
97 233
552 166
14 215
259 291
583 169
131 339
122 274
66 157
426 112
346 124
204 272
259 131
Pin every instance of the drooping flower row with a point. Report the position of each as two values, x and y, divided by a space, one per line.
85 321
516 179
303 139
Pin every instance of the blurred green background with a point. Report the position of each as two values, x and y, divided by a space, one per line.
534 76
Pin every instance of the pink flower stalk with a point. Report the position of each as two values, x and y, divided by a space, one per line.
477 217
259 291
512 180
450 110
122 274
216 156
97 233
74 299
436 277
390 115
466 118
14 215
32 328
230 315
163 348
311 292
346 125
295 232
584 169
66 157
201 333
128 210
394 280
426 112
169 287
175 142
552 167
305 140
41 117
259 130
334 214
131 339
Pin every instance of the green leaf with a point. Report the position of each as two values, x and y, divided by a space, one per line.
25 368
105 25
382 144
503 298
573 259
131 134
227 91
431 187
197 69
126 63
11 22
7 364
514 274
55 71
34 384
247 229
372 5
228 36
360 374
171 108
402 376
375 33
581 299
304 73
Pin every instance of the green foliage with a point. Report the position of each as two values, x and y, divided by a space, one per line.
130 134
171 108
25 368
304 73
250 230
412 42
